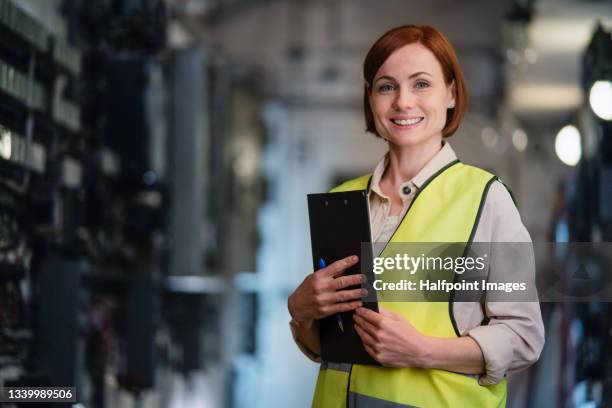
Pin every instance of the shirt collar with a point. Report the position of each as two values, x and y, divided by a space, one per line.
445 156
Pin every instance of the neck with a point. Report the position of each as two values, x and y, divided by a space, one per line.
406 162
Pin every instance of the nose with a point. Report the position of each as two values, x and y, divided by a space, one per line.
404 99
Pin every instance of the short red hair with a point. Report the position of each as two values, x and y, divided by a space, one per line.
441 48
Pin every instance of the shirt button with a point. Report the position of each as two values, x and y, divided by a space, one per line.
406 190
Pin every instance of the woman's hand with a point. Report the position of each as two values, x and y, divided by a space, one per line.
389 338
319 295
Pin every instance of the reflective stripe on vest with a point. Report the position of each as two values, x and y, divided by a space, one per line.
358 400
328 365
445 209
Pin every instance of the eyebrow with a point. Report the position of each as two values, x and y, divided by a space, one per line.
410 77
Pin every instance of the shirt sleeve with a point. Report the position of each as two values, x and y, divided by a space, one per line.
513 337
303 348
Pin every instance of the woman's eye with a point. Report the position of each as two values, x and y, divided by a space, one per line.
421 84
386 88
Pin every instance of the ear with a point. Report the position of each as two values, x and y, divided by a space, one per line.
451 96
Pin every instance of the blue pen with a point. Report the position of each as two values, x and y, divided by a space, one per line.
322 264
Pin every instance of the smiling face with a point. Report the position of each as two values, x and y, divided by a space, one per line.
409 97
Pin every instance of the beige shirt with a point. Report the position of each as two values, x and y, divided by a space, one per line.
514 336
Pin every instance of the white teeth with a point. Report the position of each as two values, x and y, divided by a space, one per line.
406 122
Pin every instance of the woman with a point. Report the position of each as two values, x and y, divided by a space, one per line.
431 353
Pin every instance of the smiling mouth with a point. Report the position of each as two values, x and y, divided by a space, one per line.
406 122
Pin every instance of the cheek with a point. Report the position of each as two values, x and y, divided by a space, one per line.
438 108
377 110
378 114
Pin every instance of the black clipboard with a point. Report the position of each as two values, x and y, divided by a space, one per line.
339 223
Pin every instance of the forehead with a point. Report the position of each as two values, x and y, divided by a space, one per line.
409 59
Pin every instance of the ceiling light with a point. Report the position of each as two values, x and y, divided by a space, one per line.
5 144
600 98
489 137
520 140
567 145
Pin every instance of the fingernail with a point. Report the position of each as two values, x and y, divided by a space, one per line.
364 278
364 292
354 258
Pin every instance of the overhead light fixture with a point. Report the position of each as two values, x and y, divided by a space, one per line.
600 98
5 144
489 137
567 145
520 140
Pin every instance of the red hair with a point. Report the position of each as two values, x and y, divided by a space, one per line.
444 52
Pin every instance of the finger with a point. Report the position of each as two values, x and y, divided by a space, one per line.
346 295
370 315
370 351
366 326
338 267
341 307
388 313
348 280
341 296
366 339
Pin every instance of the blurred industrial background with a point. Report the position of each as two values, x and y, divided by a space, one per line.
155 158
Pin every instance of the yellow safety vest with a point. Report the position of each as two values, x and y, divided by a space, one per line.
446 209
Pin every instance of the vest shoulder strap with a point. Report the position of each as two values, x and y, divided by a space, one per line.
495 178
474 170
363 182
359 183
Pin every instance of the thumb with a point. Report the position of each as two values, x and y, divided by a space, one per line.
387 313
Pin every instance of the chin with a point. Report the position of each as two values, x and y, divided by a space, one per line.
409 140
